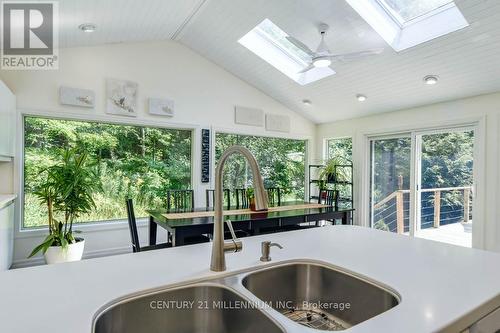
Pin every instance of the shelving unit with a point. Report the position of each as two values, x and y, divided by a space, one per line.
344 201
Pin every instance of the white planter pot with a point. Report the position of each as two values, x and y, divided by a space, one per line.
56 254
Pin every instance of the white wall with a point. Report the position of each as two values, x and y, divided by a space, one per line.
204 95
484 110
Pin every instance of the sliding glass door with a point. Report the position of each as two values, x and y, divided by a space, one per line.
390 183
421 184
444 186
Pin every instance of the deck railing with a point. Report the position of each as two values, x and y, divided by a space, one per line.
395 203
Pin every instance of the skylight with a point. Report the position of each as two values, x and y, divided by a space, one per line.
269 42
407 23
407 10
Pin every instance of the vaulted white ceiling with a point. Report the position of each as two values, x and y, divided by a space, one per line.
467 62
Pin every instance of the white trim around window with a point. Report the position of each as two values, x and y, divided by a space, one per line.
478 124
88 227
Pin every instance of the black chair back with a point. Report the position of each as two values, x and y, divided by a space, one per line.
241 198
132 224
210 198
180 201
329 197
274 196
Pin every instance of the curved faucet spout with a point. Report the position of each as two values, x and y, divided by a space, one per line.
218 262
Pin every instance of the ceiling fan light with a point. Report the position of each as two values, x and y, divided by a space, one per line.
322 62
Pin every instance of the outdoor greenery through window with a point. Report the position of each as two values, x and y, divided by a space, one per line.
281 162
130 161
341 147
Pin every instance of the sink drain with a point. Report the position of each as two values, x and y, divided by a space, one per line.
315 319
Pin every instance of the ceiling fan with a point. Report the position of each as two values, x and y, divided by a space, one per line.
323 57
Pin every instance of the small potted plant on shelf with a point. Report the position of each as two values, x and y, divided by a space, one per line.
66 191
251 198
332 173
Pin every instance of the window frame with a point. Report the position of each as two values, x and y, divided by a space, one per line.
91 226
308 148
398 19
400 36
326 149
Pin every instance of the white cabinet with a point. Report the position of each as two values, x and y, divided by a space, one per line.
6 236
7 122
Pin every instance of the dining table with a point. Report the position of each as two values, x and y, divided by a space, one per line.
200 221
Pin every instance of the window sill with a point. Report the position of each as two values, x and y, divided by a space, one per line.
84 228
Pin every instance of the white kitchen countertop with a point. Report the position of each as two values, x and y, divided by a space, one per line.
438 283
6 199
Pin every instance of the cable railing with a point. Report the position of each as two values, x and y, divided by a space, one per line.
393 211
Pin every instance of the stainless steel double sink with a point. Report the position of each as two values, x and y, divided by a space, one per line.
298 296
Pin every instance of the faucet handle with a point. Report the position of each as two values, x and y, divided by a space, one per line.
236 245
231 229
266 250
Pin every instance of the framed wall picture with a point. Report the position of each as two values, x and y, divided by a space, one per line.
76 97
161 107
205 155
121 97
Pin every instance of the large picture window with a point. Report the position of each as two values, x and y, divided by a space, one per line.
281 162
131 161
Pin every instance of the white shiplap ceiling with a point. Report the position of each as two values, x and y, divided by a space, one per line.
467 61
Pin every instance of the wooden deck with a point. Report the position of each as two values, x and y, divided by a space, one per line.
450 233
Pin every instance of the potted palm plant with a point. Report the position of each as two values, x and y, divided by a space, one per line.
66 191
331 173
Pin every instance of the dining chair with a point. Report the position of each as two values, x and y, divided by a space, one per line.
180 201
331 198
210 199
132 224
241 198
274 196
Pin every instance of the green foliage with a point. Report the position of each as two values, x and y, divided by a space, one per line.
333 169
446 161
281 162
341 148
66 189
250 193
381 225
130 161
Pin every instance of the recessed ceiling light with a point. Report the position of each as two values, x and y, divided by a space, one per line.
361 98
431 79
306 102
87 27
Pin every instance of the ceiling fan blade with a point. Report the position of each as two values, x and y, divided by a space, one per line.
300 45
307 69
355 55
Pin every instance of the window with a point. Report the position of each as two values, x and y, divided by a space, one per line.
340 148
407 10
131 161
269 42
281 162
407 23
437 205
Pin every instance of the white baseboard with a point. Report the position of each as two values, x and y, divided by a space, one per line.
37 261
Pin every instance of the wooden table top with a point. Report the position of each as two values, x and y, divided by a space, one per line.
201 216
232 212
